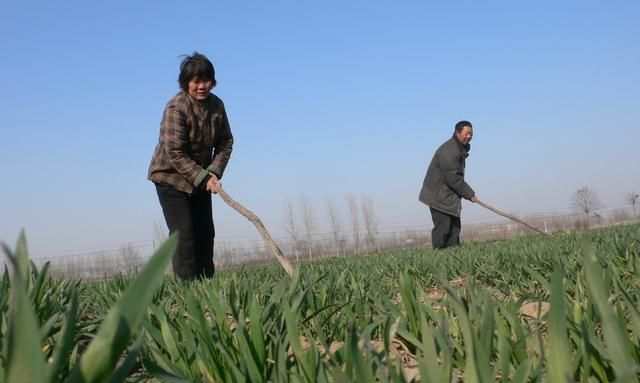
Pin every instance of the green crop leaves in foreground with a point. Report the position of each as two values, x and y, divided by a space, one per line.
98 364
559 354
26 362
123 319
616 336
475 313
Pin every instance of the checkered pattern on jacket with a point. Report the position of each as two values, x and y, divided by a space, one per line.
195 139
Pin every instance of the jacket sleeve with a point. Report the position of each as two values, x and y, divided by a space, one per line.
453 173
222 146
174 135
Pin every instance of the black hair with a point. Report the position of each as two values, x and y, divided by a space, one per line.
196 66
460 125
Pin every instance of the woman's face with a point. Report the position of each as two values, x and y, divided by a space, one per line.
199 89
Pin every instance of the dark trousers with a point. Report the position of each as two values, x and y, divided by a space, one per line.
191 216
446 229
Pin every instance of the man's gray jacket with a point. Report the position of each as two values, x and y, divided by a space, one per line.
444 184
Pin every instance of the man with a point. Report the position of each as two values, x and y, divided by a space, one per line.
193 150
444 187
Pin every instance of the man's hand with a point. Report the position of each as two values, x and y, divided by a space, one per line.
213 183
474 199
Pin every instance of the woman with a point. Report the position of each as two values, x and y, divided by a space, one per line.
193 150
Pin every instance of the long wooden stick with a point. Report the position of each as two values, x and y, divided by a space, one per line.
506 215
275 250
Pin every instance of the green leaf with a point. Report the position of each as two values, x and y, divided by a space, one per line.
102 354
615 337
169 341
22 259
633 310
25 359
64 343
161 374
484 345
410 302
294 341
212 349
502 365
430 372
522 373
471 370
362 372
37 290
122 372
559 354
537 276
519 344
249 357
257 334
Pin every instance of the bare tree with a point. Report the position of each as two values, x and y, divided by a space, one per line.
632 199
308 221
290 226
336 224
224 253
100 265
370 221
586 201
355 221
161 233
130 258
619 215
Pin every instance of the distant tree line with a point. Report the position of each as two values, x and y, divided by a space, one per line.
300 223
349 234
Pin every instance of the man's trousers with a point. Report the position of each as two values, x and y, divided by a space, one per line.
446 229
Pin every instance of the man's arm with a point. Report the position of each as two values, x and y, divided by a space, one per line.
452 170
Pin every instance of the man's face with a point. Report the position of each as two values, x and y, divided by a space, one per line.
199 89
465 135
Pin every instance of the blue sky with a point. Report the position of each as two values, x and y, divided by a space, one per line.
324 98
